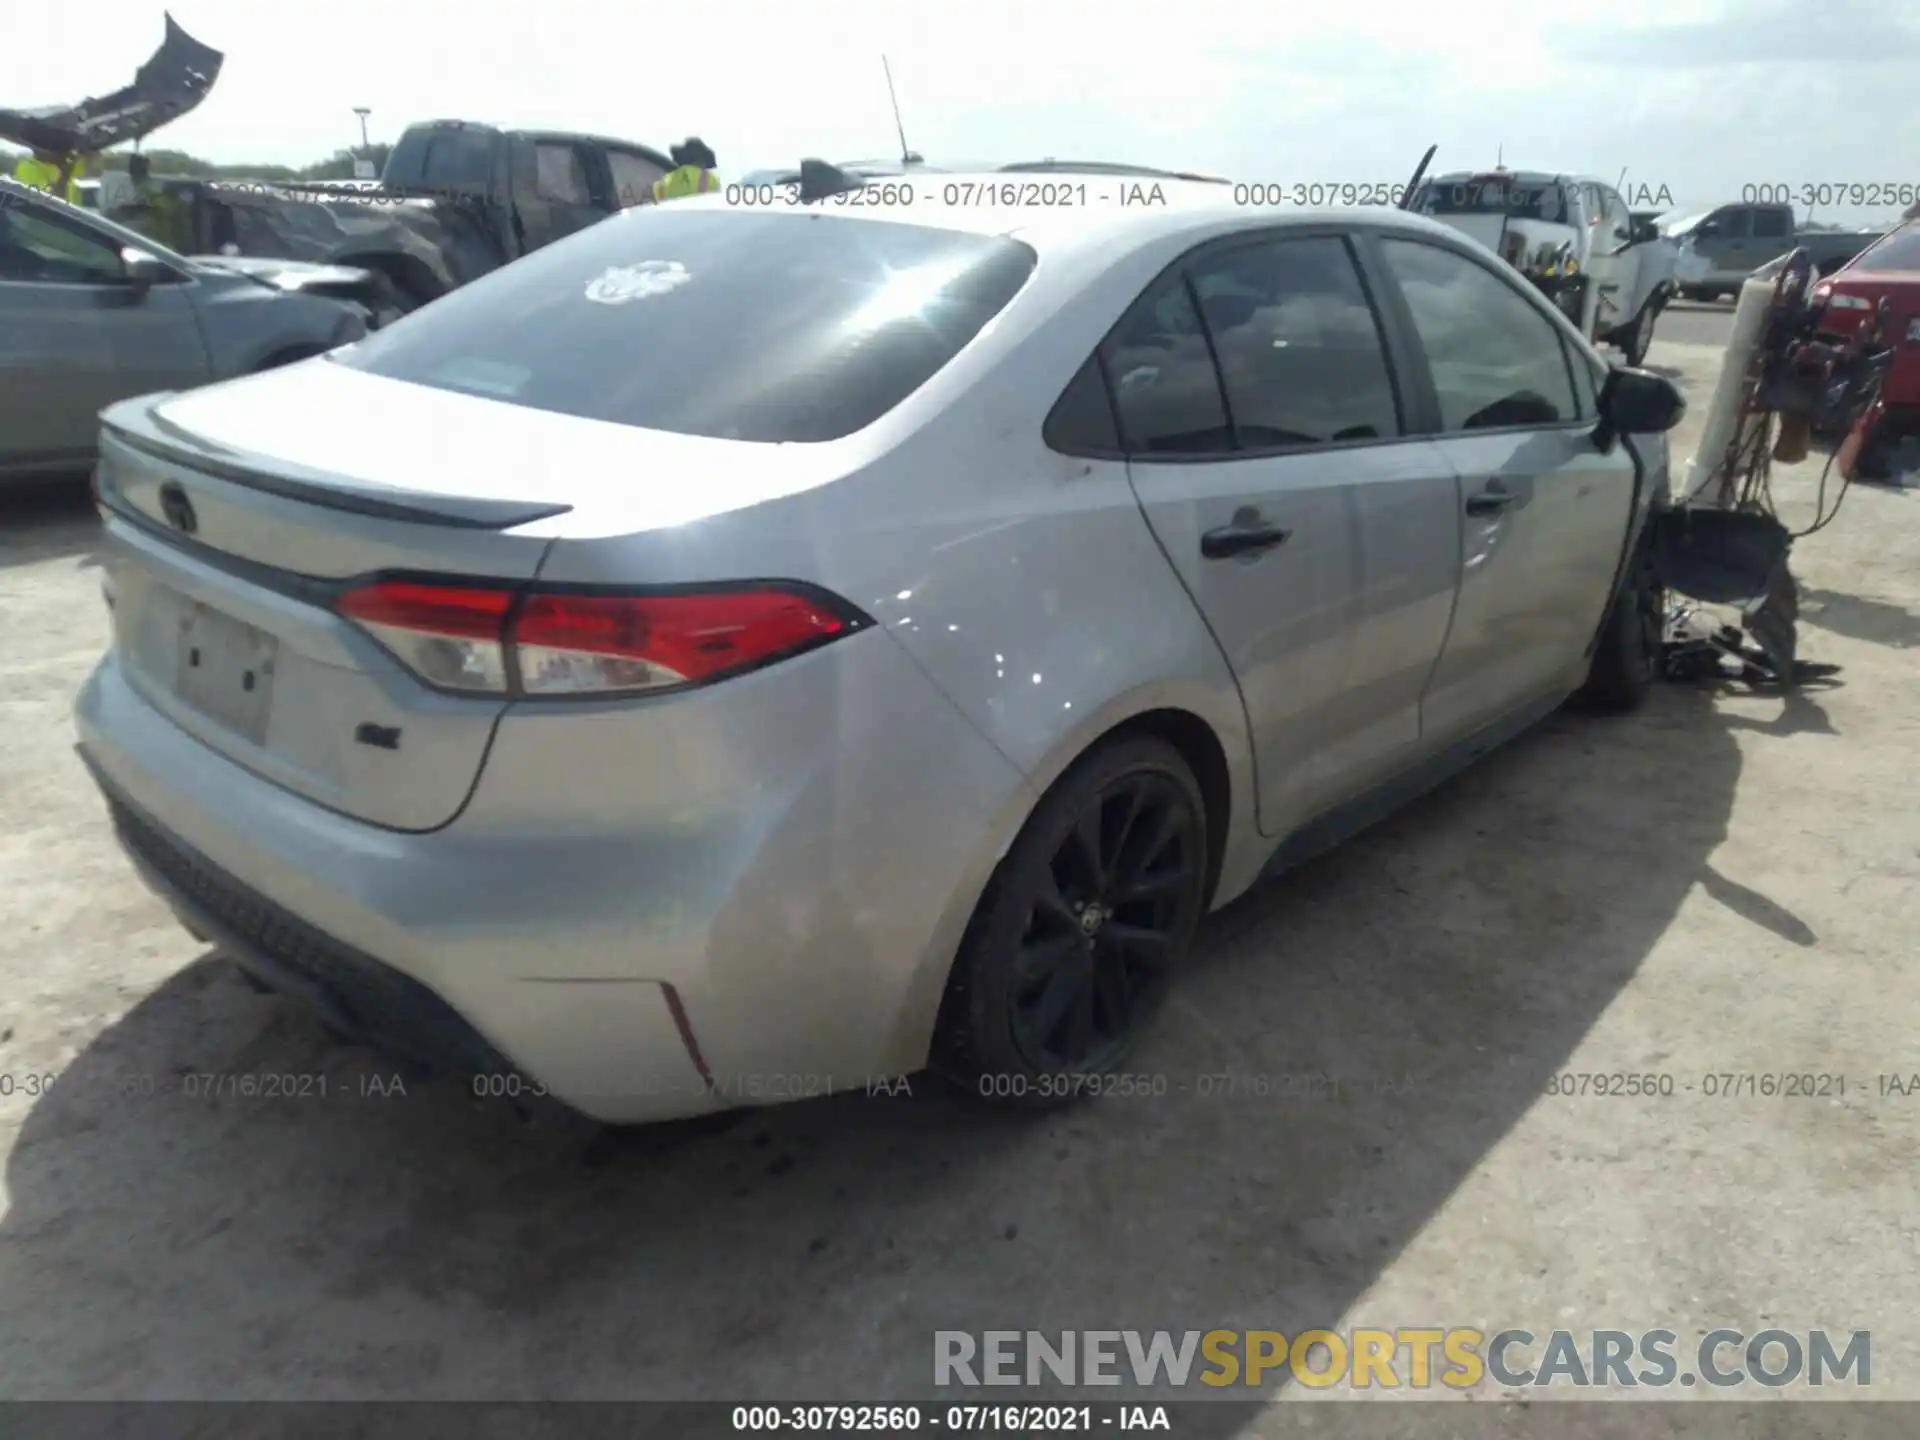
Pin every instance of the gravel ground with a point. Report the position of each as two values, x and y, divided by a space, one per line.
1716 885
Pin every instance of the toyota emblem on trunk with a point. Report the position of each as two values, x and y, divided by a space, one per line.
178 509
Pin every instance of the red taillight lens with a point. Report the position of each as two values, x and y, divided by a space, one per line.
568 644
589 644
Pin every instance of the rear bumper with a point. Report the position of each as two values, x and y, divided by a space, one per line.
619 1053
636 954
1901 388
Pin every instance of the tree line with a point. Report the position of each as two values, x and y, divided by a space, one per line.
338 166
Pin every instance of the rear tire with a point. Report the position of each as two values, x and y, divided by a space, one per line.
1627 661
1086 921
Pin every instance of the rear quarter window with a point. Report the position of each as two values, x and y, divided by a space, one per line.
1898 251
769 327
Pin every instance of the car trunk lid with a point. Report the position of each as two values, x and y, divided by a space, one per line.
240 514
224 558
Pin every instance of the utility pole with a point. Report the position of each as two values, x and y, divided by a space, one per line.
363 112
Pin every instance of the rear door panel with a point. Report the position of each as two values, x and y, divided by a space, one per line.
1333 635
1333 631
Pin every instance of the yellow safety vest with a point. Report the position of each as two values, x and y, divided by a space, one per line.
687 180
42 176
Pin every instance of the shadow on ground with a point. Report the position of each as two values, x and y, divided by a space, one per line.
46 520
1877 621
1376 1021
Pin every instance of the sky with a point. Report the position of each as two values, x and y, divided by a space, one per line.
1694 102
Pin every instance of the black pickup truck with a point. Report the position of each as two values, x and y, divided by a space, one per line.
455 201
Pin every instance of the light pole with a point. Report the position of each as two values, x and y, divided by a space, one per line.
363 166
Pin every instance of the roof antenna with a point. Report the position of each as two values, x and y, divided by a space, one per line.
907 157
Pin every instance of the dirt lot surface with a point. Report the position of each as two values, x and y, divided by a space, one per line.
1718 885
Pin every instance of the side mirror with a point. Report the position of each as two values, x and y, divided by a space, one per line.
1639 402
141 268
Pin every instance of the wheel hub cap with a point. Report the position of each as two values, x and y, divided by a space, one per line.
1092 918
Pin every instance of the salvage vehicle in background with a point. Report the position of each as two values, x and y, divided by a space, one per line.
455 201
739 653
1574 237
1886 273
1729 243
91 313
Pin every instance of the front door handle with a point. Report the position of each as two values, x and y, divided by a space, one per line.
1490 502
1241 539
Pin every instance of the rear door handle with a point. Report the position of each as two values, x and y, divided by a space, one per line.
1490 502
1241 539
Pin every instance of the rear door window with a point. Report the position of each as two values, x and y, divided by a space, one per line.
779 327
1165 386
1771 224
1299 351
560 175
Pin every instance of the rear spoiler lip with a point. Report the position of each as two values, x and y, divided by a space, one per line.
135 425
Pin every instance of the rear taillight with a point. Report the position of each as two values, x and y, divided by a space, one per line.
557 643
450 636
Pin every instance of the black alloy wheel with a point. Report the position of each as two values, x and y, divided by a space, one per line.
1083 929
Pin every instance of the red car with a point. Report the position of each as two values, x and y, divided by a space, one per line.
1887 269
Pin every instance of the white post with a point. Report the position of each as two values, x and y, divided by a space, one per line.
1723 412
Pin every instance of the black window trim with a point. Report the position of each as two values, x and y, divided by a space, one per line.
1412 416
1422 369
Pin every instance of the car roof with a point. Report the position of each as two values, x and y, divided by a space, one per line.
1103 211
1518 177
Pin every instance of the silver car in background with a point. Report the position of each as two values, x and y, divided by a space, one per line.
92 312
732 655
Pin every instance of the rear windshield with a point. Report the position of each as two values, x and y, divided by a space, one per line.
1898 251
731 324
445 157
1495 195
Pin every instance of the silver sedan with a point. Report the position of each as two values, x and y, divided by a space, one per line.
92 312
734 655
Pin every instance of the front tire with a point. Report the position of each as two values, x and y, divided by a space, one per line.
1081 930
1627 661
